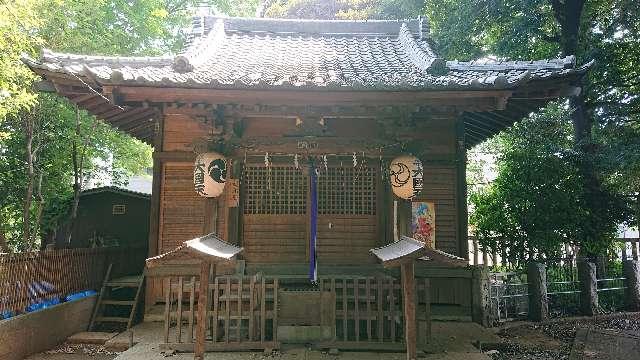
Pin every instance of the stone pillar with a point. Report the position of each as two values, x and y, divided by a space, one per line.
588 288
631 271
538 300
480 301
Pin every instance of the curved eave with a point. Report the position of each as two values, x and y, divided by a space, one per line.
528 96
138 122
482 125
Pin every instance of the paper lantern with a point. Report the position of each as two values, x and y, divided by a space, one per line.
210 174
405 173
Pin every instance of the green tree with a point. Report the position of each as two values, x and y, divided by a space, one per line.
601 30
38 131
534 205
343 9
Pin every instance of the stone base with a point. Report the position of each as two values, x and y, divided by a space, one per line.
42 330
296 334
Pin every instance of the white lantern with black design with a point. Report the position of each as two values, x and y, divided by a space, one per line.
210 174
405 173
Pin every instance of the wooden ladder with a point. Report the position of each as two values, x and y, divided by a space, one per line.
105 300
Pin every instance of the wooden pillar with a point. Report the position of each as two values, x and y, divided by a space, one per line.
631 270
409 293
461 191
210 216
154 286
203 300
234 212
382 207
538 301
154 211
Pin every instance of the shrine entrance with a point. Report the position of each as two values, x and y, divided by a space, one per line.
277 213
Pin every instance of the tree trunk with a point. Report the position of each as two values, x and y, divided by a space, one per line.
568 13
78 170
26 213
3 240
77 180
38 219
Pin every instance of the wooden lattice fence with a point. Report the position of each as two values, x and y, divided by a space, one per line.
29 278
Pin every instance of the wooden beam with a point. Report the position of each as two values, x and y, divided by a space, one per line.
479 130
488 117
100 110
485 99
123 122
144 124
124 114
106 114
78 99
92 102
143 132
175 156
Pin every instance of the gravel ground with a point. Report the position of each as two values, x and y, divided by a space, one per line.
553 340
75 352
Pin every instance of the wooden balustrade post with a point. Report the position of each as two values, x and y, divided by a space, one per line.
203 299
409 292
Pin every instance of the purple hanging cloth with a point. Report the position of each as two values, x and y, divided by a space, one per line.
313 266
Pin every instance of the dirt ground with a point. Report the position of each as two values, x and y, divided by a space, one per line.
552 340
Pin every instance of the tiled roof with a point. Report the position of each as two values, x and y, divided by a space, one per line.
315 54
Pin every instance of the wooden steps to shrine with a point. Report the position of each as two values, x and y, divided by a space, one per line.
111 307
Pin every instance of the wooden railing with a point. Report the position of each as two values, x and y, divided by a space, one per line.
34 277
370 310
630 248
244 312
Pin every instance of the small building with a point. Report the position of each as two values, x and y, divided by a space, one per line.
308 115
109 216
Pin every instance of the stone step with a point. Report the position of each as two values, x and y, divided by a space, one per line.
118 302
112 319
91 337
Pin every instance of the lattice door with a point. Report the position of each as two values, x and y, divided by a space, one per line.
347 221
275 214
